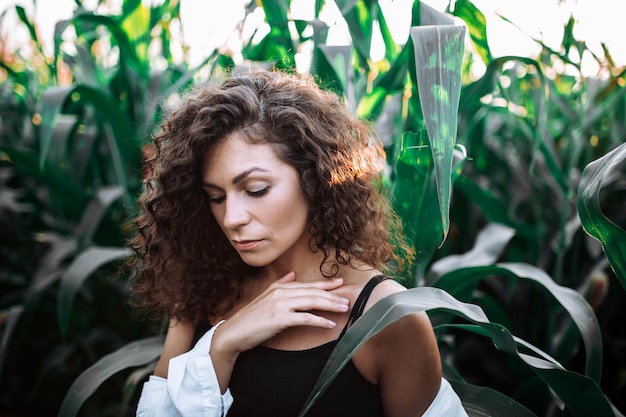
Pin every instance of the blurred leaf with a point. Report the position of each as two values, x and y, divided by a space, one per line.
389 84
597 174
50 105
358 14
462 281
8 320
64 191
127 54
86 263
490 243
134 354
484 401
438 60
477 25
94 212
391 48
339 75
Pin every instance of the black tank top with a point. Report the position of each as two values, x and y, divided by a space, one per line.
269 382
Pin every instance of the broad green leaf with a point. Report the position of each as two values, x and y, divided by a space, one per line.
65 194
580 394
489 244
9 319
391 48
134 354
462 281
94 212
128 54
338 58
484 401
491 207
136 26
86 263
389 84
49 270
438 61
414 194
50 105
276 14
477 26
358 15
595 176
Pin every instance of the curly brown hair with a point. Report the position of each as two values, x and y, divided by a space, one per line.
185 267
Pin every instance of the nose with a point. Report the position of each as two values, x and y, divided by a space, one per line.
235 213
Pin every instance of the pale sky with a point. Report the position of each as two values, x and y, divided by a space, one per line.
210 23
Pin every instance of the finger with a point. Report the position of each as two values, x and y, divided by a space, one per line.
294 294
326 284
313 320
308 303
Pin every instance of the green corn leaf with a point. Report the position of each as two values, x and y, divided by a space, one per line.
65 194
595 176
50 105
462 281
391 48
136 25
94 212
86 263
580 394
335 71
484 401
10 320
50 269
415 199
276 14
477 25
392 82
128 53
489 244
358 15
438 60
134 354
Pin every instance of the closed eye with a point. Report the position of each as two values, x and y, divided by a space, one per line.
216 199
258 193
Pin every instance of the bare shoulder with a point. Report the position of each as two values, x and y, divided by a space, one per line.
406 360
382 290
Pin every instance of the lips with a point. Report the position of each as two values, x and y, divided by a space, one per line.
245 245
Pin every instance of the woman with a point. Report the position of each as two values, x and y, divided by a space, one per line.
263 221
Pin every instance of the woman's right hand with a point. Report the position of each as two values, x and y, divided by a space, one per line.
284 304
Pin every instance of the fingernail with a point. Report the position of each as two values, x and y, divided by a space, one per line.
337 279
344 300
331 324
344 307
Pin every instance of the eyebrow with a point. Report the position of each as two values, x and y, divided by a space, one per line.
238 178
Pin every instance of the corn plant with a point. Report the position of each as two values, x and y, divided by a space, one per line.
510 187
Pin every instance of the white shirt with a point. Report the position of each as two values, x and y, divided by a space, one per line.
192 390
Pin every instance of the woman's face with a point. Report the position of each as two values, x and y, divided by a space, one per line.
257 200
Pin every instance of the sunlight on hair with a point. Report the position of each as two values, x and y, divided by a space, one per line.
364 164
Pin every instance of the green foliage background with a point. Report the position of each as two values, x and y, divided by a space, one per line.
511 186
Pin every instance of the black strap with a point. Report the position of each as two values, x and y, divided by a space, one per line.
359 304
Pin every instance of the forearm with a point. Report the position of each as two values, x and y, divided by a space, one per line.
191 387
223 360
178 341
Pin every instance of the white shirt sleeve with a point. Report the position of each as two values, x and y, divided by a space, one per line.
446 403
191 388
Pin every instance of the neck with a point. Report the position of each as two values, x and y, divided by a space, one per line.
306 267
